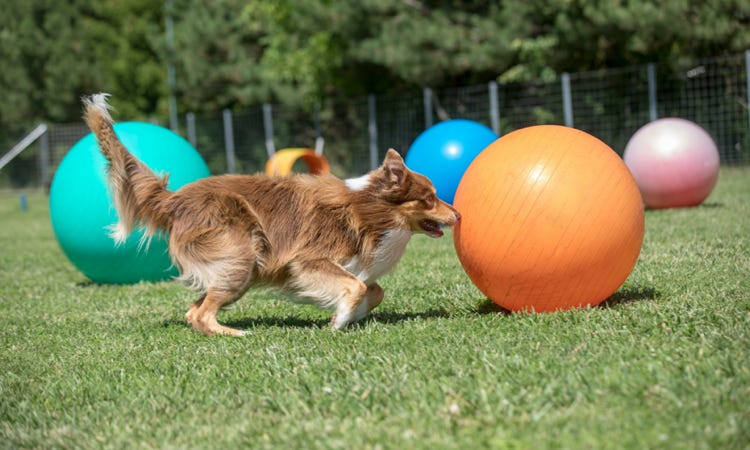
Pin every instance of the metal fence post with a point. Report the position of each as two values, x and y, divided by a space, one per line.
372 131
494 108
229 141
268 128
171 73
567 100
319 140
427 100
44 159
747 77
190 127
653 113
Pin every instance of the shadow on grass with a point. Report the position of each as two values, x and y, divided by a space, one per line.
86 283
253 322
708 205
395 317
487 306
279 322
630 295
484 306
621 297
297 322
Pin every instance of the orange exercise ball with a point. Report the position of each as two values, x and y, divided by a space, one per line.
551 219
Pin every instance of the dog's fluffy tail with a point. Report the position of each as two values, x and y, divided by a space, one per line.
139 194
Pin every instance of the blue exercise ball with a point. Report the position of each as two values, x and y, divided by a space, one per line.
81 207
444 151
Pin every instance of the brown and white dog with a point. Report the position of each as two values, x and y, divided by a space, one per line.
322 239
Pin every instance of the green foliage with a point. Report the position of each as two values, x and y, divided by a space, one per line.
663 364
613 33
55 51
429 46
303 53
299 55
125 40
44 61
216 56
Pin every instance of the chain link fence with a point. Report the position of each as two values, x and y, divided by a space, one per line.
610 104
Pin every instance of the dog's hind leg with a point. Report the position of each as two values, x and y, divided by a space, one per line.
224 281
331 286
223 277
219 257
190 316
204 319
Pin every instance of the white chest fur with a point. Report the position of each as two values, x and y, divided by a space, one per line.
391 248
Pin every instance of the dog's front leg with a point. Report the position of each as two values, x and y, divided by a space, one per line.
373 297
331 286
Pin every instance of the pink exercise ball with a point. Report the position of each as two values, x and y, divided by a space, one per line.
674 162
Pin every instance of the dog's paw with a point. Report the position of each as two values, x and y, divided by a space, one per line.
336 324
214 328
226 331
340 321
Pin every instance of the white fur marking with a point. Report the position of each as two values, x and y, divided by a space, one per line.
343 318
203 276
358 184
119 232
387 255
362 310
99 102
318 297
392 247
354 267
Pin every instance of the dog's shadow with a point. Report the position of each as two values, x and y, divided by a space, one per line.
385 317
248 323
390 318
484 306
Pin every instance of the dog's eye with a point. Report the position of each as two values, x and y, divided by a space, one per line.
430 201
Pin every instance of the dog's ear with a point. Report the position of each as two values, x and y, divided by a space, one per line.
394 167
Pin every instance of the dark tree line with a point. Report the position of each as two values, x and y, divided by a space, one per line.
303 53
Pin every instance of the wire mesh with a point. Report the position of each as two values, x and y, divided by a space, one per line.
523 105
713 94
610 104
249 140
400 119
468 102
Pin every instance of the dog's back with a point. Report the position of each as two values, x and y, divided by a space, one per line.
295 217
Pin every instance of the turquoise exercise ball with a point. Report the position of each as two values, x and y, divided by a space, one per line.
82 211
444 151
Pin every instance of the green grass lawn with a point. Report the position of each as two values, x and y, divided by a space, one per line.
665 363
